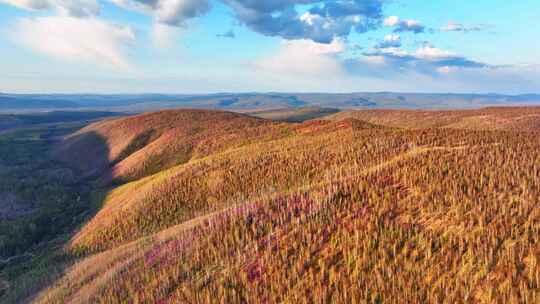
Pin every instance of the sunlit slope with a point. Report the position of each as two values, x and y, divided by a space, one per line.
312 152
331 212
130 148
515 119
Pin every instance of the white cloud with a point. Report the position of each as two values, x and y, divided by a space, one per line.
394 51
305 57
400 25
432 53
309 18
32 5
394 62
170 12
392 38
74 8
458 27
389 41
391 21
88 40
164 35
168 15
446 69
412 23
176 12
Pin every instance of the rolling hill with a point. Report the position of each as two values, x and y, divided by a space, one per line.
137 146
495 118
294 114
365 206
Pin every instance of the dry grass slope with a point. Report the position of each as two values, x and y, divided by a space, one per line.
338 211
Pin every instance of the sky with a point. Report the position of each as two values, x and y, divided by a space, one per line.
208 46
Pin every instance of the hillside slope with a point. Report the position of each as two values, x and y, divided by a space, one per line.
501 118
340 210
140 145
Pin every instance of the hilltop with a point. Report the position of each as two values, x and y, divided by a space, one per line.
136 146
294 114
211 206
491 118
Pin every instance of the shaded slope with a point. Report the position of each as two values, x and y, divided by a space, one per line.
516 119
145 144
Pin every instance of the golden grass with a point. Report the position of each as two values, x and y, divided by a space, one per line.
328 213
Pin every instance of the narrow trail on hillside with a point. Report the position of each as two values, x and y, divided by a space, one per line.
409 154
413 152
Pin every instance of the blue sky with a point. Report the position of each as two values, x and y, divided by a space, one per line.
201 46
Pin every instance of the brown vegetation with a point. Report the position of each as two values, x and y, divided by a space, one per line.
145 144
341 211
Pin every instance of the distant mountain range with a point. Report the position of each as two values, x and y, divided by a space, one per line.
257 101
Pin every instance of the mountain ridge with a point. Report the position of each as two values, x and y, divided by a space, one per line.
253 101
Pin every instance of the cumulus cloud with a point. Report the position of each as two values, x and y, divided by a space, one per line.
304 57
304 63
322 23
458 27
424 60
32 5
389 41
400 25
74 8
311 59
176 12
89 40
169 12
